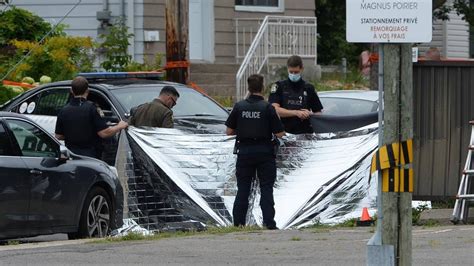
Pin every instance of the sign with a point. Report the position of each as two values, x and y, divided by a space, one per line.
389 21
414 54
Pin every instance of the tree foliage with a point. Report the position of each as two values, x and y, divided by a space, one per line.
115 47
20 24
332 44
60 57
463 8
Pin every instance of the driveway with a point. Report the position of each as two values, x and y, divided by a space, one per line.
440 245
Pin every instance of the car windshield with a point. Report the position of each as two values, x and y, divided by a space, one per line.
346 106
190 102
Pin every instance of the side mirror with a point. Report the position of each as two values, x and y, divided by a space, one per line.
64 154
229 109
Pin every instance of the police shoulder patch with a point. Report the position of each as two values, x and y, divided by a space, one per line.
274 88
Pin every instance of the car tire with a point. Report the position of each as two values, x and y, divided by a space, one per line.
96 215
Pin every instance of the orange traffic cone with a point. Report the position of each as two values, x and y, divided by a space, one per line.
365 219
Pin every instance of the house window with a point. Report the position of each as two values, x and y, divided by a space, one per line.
260 5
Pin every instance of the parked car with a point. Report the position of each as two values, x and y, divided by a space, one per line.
345 110
349 102
116 94
45 189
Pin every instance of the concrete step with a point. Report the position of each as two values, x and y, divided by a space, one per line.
218 89
214 68
213 78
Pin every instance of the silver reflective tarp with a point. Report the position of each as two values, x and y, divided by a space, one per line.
177 175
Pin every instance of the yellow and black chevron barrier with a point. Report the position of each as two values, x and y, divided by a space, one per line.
394 160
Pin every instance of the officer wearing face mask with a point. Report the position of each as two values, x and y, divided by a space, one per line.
254 121
294 99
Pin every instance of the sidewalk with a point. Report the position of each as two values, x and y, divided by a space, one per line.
442 216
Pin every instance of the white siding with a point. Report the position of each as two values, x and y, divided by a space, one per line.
436 41
82 20
457 42
450 37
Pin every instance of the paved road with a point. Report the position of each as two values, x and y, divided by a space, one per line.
442 245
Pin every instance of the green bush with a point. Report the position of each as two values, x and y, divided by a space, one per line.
7 94
20 24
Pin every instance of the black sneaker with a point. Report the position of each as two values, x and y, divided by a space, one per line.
272 227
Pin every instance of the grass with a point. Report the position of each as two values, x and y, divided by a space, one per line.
295 238
163 235
9 242
338 81
416 214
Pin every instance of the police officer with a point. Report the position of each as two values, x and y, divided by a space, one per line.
80 124
254 121
294 99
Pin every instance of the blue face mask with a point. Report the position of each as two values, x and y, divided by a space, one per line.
294 77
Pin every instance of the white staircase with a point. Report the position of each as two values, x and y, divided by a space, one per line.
278 37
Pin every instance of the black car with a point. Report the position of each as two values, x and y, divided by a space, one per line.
116 94
45 189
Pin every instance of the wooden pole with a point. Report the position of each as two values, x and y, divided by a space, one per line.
398 126
177 40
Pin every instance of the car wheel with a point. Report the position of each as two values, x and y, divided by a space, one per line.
96 215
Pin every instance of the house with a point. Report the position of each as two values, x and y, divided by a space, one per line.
451 38
220 32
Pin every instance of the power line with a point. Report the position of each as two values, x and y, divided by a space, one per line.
41 40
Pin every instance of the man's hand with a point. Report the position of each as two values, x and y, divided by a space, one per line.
303 113
122 124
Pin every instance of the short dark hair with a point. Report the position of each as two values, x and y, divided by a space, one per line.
294 61
169 90
79 85
255 82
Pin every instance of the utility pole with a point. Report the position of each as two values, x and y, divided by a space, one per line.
177 40
398 127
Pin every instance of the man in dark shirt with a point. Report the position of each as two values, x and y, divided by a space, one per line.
80 125
157 113
255 122
294 99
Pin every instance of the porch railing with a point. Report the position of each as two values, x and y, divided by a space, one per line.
277 37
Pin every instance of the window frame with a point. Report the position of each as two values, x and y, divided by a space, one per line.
12 149
266 9
14 141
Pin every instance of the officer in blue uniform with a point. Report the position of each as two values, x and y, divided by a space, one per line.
294 99
254 121
80 124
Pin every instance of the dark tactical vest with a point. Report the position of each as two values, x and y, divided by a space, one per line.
254 134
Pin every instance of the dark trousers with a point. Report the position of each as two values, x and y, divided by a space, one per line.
246 168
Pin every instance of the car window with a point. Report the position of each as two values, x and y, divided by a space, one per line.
103 104
33 141
345 106
190 102
5 144
47 102
52 101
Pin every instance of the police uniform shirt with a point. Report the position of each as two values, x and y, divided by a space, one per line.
295 96
152 114
254 120
79 121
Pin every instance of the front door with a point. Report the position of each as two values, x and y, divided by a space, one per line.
201 30
14 189
51 195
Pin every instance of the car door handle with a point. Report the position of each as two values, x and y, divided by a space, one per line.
36 172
